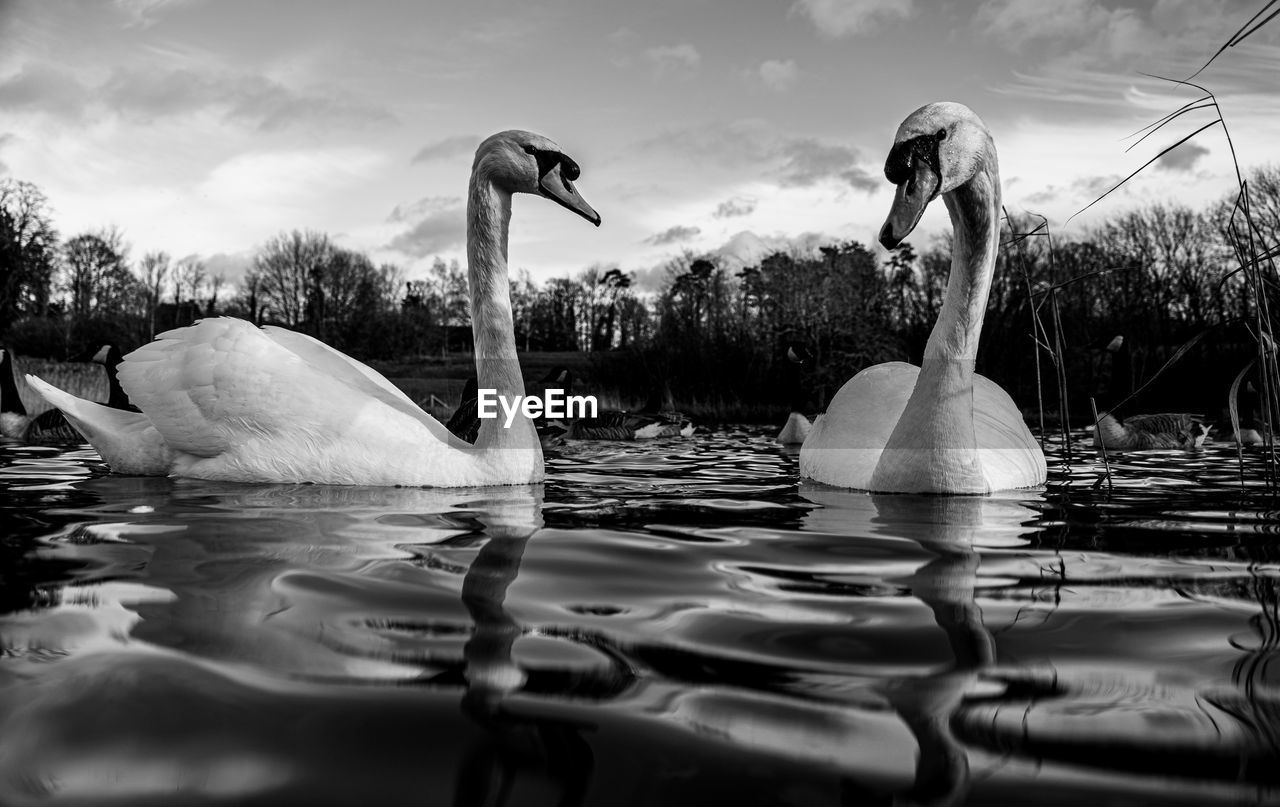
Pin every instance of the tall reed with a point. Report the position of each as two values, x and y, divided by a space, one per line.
1254 257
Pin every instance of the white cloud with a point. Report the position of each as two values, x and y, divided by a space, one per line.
674 60
673 235
142 13
437 230
1020 23
779 76
1183 158
747 248
735 207
412 211
455 146
232 267
289 177
836 18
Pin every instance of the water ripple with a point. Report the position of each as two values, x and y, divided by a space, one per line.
682 621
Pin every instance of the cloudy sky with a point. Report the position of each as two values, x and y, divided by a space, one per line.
203 127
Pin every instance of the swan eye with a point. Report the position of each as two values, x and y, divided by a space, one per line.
942 134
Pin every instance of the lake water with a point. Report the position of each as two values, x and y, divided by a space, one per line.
681 622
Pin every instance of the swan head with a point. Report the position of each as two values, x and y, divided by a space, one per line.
938 148
523 162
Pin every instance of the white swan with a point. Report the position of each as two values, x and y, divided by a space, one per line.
941 427
225 400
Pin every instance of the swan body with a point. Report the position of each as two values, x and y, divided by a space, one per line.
795 430
226 400
940 427
1165 430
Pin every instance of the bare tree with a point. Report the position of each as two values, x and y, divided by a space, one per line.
188 277
153 269
28 246
286 267
95 276
213 285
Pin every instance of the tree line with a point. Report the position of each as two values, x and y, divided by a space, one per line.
716 336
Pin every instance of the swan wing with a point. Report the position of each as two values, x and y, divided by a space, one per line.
127 441
844 446
1010 455
346 369
236 403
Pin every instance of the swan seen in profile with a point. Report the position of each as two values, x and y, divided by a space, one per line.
223 399
940 427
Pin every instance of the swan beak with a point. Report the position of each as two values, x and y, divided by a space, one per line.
556 186
909 202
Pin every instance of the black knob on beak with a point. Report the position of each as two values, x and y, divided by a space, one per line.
887 239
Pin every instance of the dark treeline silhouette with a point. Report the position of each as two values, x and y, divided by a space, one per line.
715 337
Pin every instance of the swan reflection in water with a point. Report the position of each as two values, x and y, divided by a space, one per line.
952 528
1216 743
234 696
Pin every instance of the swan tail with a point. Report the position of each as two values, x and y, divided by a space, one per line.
795 430
125 440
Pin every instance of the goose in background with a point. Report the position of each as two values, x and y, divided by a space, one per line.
465 421
797 427
14 419
1164 430
657 419
940 427
52 426
226 400
1138 432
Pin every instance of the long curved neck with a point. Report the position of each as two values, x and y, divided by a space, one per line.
117 398
974 208
10 401
492 325
935 438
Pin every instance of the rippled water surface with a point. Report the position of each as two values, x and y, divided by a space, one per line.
680 622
